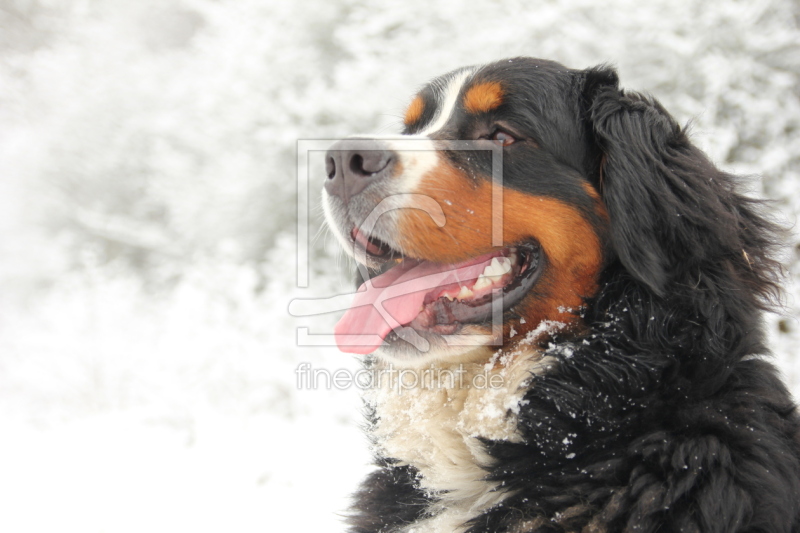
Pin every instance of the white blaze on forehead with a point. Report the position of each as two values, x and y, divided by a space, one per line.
417 155
447 100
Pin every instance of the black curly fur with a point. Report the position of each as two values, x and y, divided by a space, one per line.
662 416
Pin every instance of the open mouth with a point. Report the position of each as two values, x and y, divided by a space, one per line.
433 297
373 246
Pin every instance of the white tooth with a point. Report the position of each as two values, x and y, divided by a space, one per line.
504 265
482 283
513 258
464 293
498 267
448 297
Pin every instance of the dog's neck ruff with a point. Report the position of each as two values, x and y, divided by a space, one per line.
432 419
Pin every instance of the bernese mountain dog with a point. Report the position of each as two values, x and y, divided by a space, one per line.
562 300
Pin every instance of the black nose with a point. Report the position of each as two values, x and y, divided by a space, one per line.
353 164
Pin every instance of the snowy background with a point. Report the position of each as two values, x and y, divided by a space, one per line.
147 225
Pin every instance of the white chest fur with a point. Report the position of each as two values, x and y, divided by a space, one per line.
432 419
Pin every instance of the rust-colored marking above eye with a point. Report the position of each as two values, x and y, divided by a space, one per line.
483 97
414 111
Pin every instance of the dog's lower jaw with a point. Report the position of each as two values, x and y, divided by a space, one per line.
473 345
433 419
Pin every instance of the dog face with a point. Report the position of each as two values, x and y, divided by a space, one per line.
413 208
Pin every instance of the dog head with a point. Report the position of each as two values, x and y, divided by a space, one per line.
565 184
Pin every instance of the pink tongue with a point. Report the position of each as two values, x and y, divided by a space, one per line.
400 292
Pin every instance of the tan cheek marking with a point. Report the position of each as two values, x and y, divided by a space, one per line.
591 191
414 111
483 97
599 206
570 242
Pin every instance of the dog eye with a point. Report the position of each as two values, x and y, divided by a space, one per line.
502 138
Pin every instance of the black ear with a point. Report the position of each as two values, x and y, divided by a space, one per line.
595 80
666 211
